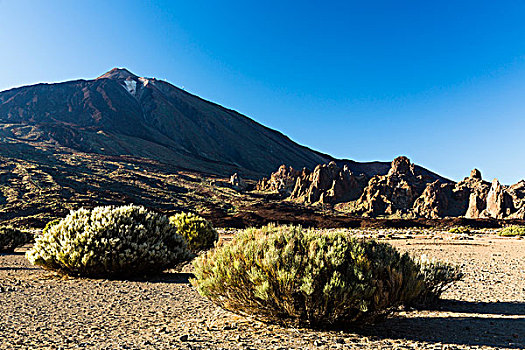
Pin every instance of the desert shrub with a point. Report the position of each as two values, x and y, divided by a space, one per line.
438 276
11 238
198 231
50 224
512 231
110 242
459 229
289 275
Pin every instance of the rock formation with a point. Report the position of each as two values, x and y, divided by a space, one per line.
282 181
434 201
237 183
327 184
500 201
403 191
452 199
517 191
391 194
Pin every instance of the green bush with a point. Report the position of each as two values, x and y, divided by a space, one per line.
512 231
50 224
198 231
111 242
459 229
11 238
288 275
438 277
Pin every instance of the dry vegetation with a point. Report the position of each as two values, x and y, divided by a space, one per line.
484 310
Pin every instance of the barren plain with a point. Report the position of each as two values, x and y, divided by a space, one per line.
40 310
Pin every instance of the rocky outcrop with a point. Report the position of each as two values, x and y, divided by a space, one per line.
282 181
403 191
440 200
517 191
475 174
391 194
500 201
237 183
327 184
434 201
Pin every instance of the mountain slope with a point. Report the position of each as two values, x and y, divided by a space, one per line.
125 139
120 113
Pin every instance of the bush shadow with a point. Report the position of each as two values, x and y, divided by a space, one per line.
3 268
13 253
508 308
168 277
498 325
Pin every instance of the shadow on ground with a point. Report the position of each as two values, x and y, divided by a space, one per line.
14 253
499 308
170 277
18 268
491 324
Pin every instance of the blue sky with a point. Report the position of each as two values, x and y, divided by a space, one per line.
440 82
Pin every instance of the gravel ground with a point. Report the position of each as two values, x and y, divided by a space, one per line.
41 310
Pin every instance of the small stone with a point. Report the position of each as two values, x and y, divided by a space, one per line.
161 330
184 337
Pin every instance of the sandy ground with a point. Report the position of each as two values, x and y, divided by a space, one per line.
40 310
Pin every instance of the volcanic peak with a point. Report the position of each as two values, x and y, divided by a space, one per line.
118 73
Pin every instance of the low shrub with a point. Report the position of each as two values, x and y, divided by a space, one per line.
199 233
438 277
289 275
511 231
50 224
110 242
11 238
459 229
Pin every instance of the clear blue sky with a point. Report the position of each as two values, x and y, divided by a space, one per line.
442 82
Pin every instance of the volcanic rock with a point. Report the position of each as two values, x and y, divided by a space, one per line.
237 183
434 201
282 181
452 199
327 184
499 202
393 193
475 174
401 166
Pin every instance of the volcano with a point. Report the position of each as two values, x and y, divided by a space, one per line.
120 113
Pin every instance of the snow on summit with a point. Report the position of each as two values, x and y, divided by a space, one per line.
131 86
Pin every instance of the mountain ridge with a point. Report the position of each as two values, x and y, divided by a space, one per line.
158 112
87 114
